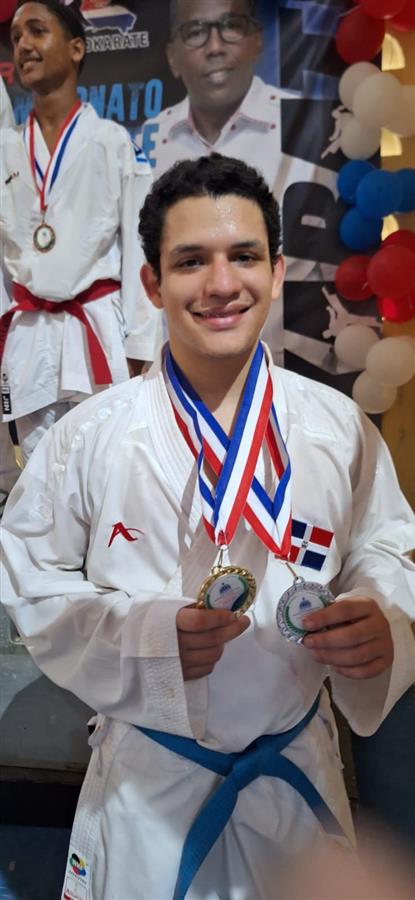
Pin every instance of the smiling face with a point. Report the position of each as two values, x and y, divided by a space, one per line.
44 54
217 280
218 74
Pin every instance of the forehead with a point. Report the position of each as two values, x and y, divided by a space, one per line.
34 11
209 9
213 222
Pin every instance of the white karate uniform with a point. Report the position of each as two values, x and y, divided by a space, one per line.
104 543
6 111
93 208
8 469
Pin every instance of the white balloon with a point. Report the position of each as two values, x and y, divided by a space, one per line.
391 362
402 122
357 141
376 99
372 396
353 343
351 79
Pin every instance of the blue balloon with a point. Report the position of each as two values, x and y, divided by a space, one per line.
407 182
349 177
360 233
378 194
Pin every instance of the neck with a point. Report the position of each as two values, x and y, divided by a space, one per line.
209 123
51 108
220 384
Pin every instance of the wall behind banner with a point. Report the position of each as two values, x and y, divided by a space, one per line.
127 79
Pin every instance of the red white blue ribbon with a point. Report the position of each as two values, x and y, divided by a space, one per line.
44 181
239 491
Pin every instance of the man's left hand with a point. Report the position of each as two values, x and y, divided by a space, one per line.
358 641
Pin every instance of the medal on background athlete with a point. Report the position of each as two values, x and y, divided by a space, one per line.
44 236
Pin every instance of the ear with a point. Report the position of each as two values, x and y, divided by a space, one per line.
78 50
171 54
151 285
278 275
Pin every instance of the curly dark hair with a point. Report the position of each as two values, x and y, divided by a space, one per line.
208 176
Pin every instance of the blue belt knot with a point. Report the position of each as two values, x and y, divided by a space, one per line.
262 757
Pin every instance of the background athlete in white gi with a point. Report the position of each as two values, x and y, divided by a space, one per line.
105 550
92 207
8 469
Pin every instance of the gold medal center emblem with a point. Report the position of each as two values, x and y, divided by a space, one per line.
228 587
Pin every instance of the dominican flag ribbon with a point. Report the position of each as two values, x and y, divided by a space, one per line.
44 180
238 491
309 545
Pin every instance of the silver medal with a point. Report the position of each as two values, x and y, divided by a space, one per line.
301 598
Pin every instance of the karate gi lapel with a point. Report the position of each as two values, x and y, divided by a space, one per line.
180 469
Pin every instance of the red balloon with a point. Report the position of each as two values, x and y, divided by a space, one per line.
382 9
391 272
359 37
401 310
8 8
405 20
351 278
403 238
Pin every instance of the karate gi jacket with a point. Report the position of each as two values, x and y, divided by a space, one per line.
93 208
104 543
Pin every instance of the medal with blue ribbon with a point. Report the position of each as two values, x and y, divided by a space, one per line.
44 237
238 491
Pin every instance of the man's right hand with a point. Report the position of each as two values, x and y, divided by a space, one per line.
202 634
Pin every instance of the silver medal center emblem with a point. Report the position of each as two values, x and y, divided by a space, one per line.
44 238
301 598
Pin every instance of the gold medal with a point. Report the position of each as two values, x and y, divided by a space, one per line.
227 587
44 238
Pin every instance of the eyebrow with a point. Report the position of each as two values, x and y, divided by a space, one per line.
239 245
33 21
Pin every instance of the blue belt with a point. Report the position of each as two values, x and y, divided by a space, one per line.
262 757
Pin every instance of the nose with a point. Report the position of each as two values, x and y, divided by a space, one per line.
222 280
214 44
22 43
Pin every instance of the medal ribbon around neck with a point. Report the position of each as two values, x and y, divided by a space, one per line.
44 182
234 460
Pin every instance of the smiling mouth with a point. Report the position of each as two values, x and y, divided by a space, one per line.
221 313
218 74
27 62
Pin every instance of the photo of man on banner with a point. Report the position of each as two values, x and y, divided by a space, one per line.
213 48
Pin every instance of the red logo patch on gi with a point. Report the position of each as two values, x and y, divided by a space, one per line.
121 529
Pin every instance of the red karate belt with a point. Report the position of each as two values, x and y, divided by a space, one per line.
28 302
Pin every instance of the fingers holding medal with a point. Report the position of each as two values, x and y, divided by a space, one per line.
301 599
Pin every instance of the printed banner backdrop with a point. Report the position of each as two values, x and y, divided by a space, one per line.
127 78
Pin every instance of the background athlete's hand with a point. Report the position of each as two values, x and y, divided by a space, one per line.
358 643
202 634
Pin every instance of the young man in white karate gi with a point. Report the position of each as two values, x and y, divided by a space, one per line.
70 191
215 465
8 468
